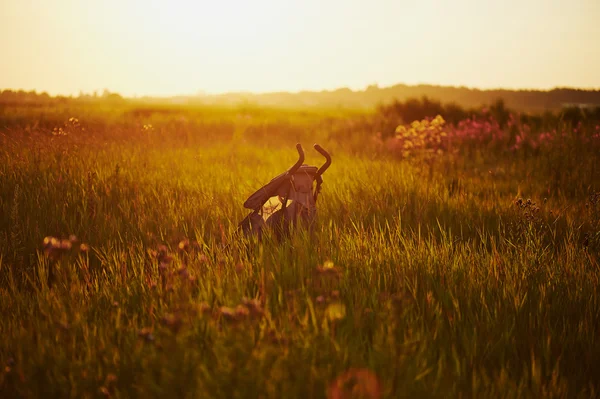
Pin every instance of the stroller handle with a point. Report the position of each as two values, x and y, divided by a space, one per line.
327 163
298 163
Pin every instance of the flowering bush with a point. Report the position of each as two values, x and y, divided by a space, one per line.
433 136
427 136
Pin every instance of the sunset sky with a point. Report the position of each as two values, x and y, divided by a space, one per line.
156 47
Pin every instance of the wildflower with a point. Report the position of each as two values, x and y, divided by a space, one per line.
239 267
163 258
184 245
355 383
51 242
146 334
253 306
110 378
328 268
54 248
84 247
183 272
335 311
173 322
229 314
9 365
58 132
241 312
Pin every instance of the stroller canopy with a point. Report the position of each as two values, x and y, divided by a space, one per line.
280 185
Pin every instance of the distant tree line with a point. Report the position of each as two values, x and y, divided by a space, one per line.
522 100
32 97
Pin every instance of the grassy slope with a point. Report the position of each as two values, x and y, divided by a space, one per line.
440 286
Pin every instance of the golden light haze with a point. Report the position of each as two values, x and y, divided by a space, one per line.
154 47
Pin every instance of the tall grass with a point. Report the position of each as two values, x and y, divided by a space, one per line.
430 275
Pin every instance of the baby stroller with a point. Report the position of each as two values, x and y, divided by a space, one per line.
288 199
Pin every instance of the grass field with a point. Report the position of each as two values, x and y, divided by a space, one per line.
425 277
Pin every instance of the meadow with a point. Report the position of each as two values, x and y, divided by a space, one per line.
449 259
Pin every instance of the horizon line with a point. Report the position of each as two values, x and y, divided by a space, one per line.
203 93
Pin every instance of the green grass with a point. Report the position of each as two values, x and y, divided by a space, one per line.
441 286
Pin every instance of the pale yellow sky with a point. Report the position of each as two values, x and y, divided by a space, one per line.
169 47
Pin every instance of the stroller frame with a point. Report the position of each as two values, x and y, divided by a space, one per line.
295 185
